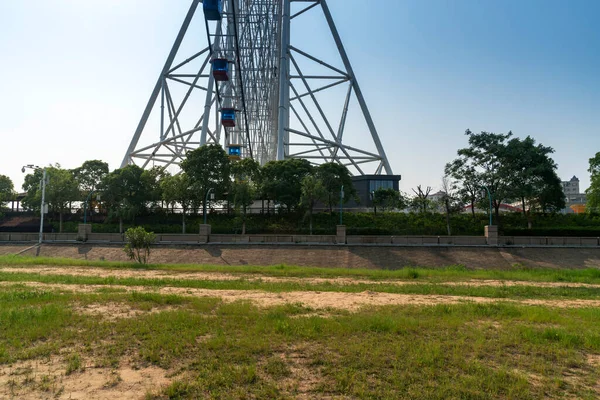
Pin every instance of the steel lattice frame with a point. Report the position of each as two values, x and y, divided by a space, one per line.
278 113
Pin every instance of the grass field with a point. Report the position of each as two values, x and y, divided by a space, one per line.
95 330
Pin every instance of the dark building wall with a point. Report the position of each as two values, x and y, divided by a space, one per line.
365 184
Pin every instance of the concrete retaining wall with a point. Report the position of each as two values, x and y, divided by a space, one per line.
317 239
549 241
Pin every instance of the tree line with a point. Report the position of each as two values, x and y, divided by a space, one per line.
510 168
125 193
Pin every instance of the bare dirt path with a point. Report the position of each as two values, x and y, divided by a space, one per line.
316 300
219 276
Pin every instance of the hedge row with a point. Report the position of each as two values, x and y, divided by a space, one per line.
361 224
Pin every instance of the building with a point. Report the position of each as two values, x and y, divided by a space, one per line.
574 199
365 185
437 197
571 187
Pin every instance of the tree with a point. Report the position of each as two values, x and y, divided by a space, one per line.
244 193
333 176
512 169
485 157
6 189
467 181
420 202
208 167
61 190
178 189
151 180
449 200
531 176
593 192
246 174
282 180
313 190
246 169
138 244
388 199
89 175
125 192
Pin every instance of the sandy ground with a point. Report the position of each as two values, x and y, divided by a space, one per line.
217 276
47 379
315 300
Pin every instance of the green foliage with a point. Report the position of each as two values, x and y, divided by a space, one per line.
484 158
208 167
177 189
246 169
138 244
6 189
151 179
89 175
469 186
313 190
333 176
61 190
532 176
593 192
237 350
73 364
282 181
512 169
421 203
244 193
126 192
389 199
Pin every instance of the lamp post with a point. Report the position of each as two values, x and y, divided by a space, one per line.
206 201
341 204
85 206
490 197
374 203
35 168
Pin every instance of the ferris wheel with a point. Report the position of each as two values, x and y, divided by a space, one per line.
252 89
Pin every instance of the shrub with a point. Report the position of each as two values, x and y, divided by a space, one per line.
138 244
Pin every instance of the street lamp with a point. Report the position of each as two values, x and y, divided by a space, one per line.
373 201
36 168
206 201
86 203
490 197
341 204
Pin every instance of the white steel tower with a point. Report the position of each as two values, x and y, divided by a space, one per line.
252 90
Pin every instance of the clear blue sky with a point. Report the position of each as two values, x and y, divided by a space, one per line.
76 76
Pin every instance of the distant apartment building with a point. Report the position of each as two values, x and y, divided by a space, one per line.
574 199
571 187
437 197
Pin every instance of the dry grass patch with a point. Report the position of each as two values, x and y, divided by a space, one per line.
114 311
47 379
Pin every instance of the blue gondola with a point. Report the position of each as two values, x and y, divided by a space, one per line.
235 151
213 9
221 69
228 117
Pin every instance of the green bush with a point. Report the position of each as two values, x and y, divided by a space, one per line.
388 223
138 244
